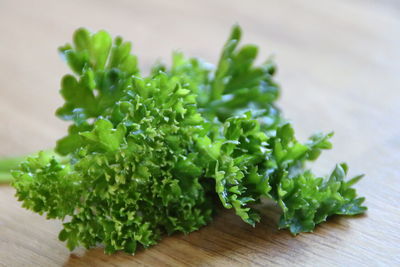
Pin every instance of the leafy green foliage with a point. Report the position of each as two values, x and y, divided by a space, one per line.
152 155
307 200
104 70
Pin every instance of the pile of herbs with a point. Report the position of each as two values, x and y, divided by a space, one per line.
152 155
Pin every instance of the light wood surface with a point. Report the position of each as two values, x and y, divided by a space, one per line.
339 67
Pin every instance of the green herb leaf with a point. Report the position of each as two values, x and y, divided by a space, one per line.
152 155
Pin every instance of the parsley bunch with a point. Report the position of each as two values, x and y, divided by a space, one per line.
152 155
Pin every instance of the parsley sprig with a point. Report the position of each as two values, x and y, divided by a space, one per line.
151 155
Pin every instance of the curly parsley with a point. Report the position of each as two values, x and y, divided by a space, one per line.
152 155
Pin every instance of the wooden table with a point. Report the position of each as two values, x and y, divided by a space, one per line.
339 67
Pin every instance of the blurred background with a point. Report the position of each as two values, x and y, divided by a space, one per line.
338 65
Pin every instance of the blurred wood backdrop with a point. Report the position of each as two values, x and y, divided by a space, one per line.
339 64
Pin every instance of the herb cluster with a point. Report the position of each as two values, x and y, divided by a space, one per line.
152 155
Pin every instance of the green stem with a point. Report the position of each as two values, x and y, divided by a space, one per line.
10 163
7 164
5 177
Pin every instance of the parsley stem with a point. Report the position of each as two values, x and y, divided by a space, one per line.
5 177
9 163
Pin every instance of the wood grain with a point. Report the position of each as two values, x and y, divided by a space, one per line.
339 64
